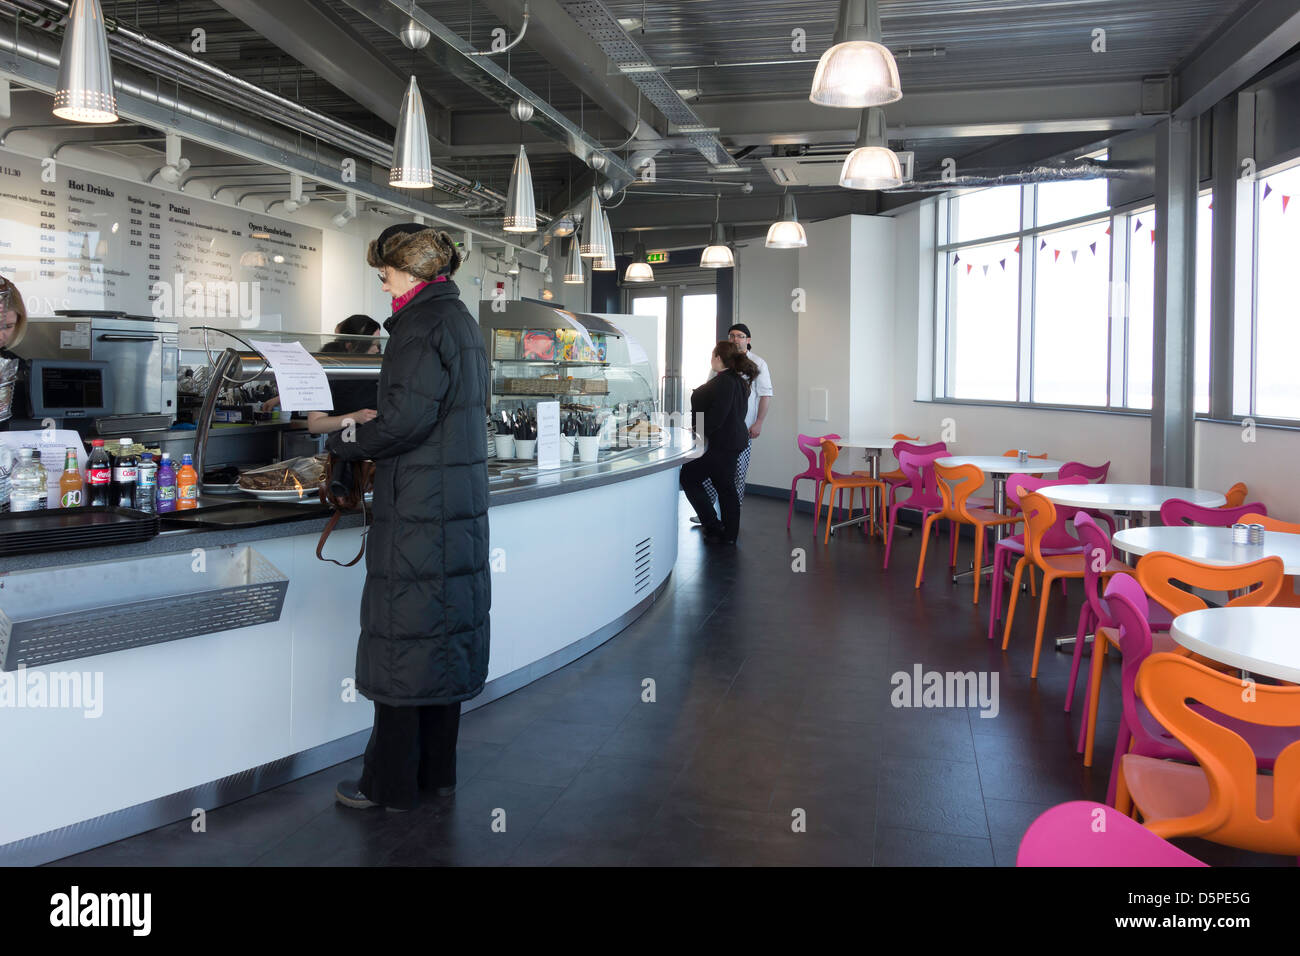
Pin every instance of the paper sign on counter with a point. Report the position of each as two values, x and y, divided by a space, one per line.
299 378
548 434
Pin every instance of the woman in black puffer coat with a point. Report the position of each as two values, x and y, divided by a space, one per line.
424 610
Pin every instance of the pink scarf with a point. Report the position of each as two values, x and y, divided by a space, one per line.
409 294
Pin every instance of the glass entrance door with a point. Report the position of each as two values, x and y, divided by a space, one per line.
689 327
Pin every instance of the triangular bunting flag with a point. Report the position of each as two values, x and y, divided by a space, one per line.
1211 205
956 259
1016 250
986 270
1153 235
1285 200
968 268
1108 230
1003 263
1092 247
1056 254
1042 245
1074 255
1268 188
1137 227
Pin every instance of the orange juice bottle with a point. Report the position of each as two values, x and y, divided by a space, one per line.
187 485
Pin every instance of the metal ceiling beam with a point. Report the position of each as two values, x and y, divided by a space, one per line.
450 52
1242 47
316 38
991 112
637 213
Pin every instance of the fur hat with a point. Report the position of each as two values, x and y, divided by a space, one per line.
415 249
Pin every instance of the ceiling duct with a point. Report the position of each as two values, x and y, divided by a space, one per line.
1045 172
603 27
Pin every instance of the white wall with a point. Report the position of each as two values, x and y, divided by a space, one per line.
1266 459
765 279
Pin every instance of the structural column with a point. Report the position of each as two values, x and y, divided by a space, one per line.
1172 419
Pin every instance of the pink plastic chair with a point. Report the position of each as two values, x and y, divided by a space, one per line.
1012 548
1095 613
1178 512
895 481
1095 474
812 450
1139 731
1083 833
925 497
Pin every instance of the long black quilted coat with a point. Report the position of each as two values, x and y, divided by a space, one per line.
424 610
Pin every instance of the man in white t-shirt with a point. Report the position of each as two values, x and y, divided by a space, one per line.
760 397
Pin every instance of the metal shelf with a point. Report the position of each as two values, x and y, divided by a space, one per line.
555 362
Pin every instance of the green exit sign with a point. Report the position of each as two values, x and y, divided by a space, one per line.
656 258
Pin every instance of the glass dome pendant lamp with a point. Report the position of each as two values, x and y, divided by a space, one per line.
858 70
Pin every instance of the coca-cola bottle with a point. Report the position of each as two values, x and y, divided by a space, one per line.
99 474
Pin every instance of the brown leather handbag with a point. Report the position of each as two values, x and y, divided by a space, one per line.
344 487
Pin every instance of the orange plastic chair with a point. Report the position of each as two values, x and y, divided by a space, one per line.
838 482
1287 596
1157 572
1040 515
1224 799
1236 495
956 485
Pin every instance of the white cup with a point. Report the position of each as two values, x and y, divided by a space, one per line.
525 447
568 445
588 447
505 446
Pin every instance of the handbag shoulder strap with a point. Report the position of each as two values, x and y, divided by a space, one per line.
330 525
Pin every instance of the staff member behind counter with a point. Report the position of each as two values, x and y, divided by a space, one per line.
352 399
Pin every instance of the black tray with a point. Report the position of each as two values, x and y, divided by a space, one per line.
243 514
90 313
66 529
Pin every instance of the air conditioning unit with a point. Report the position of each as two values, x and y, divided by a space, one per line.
819 169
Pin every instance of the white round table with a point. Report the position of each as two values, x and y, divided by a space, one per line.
872 448
1128 500
999 468
1261 640
1210 545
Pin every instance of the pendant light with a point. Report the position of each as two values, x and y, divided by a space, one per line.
717 254
593 231
787 232
639 270
84 91
547 279
872 165
607 262
412 166
573 271
521 212
857 71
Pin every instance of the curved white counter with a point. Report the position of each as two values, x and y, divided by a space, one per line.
155 732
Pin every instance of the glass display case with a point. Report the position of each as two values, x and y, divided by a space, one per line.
600 375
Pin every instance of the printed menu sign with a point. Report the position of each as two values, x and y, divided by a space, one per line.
299 378
548 434
80 240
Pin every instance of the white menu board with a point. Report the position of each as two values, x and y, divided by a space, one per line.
89 241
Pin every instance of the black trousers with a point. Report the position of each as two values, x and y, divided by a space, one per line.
410 749
719 467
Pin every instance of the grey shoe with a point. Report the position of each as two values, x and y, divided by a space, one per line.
348 793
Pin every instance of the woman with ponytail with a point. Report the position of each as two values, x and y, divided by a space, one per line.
718 408
424 609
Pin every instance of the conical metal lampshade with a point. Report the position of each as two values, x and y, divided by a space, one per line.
84 93
593 233
521 211
606 262
573 271
412 168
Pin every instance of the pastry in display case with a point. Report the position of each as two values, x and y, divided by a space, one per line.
601 377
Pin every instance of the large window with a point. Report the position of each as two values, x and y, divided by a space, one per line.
1275 388
1045 297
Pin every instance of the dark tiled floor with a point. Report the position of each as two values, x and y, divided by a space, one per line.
771 739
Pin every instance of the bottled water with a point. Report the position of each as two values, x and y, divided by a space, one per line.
27 488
